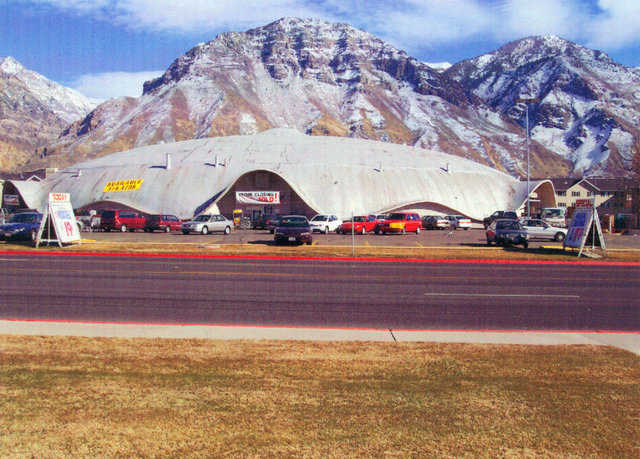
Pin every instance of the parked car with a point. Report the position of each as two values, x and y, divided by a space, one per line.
23 225
458 221
293 228
260 222
325 223
272 222
506 232
361 224
123 220
503 214
380 219
538 229
166 223
402 222
207 223
432 222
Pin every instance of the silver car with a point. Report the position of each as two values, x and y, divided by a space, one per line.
207 223
538 229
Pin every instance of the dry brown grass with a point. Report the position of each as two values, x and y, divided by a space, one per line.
462 253
153 397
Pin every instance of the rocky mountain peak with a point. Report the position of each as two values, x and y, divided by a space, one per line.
10 66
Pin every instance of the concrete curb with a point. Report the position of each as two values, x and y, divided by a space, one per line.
628 341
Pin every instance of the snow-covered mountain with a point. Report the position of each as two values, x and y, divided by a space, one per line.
33 112
586 107
317 77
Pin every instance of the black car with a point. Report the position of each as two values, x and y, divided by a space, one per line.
23 225
293 228
502 214
507 232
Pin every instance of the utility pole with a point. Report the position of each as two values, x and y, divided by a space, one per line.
527 102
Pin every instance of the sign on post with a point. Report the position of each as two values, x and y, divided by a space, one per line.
584 222
60 219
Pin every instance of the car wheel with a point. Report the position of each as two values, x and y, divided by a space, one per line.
525 244
167 229
309 242
204 230
489 243
363 231
559 237
185 232
123 228
417 230
466 228
34 235
404 231
326 230
227 230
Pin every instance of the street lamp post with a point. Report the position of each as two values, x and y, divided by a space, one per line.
527 102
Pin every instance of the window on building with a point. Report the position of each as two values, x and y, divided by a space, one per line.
562 204
575 193
562 193
589 193
603 194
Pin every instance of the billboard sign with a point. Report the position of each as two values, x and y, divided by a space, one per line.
258 197
63 218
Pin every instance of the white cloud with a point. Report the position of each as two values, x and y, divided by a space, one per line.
103 86
617 26
410 24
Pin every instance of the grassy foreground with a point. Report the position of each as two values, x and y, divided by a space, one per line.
151 397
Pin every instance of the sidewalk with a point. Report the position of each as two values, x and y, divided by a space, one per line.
628 341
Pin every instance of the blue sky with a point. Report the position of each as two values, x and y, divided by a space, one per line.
107 48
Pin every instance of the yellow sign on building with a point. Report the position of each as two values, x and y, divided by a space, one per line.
122 185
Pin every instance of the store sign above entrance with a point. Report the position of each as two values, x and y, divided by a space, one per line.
258 197
122 185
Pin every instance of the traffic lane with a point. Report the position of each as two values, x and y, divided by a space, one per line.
427 238
321 293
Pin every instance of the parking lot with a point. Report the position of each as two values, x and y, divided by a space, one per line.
427 238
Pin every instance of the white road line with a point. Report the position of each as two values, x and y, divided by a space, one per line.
516 295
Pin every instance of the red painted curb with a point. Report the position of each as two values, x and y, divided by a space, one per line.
275 257
303 327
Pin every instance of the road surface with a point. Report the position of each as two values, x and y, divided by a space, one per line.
320 293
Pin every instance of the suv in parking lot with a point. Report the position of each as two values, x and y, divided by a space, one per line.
123 220
166 223
503 214
402 222
507 232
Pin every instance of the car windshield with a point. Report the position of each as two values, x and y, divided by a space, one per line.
293 221
359 219
24 218
396 217
319 218
201 218
508 225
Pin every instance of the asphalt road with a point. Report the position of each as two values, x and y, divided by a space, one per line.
319 293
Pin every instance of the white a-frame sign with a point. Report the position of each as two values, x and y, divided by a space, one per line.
59 221
585 226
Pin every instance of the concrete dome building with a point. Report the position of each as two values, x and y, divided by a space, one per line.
284 171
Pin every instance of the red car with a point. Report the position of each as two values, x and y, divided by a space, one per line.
402 222
122 220
166 223
362 224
